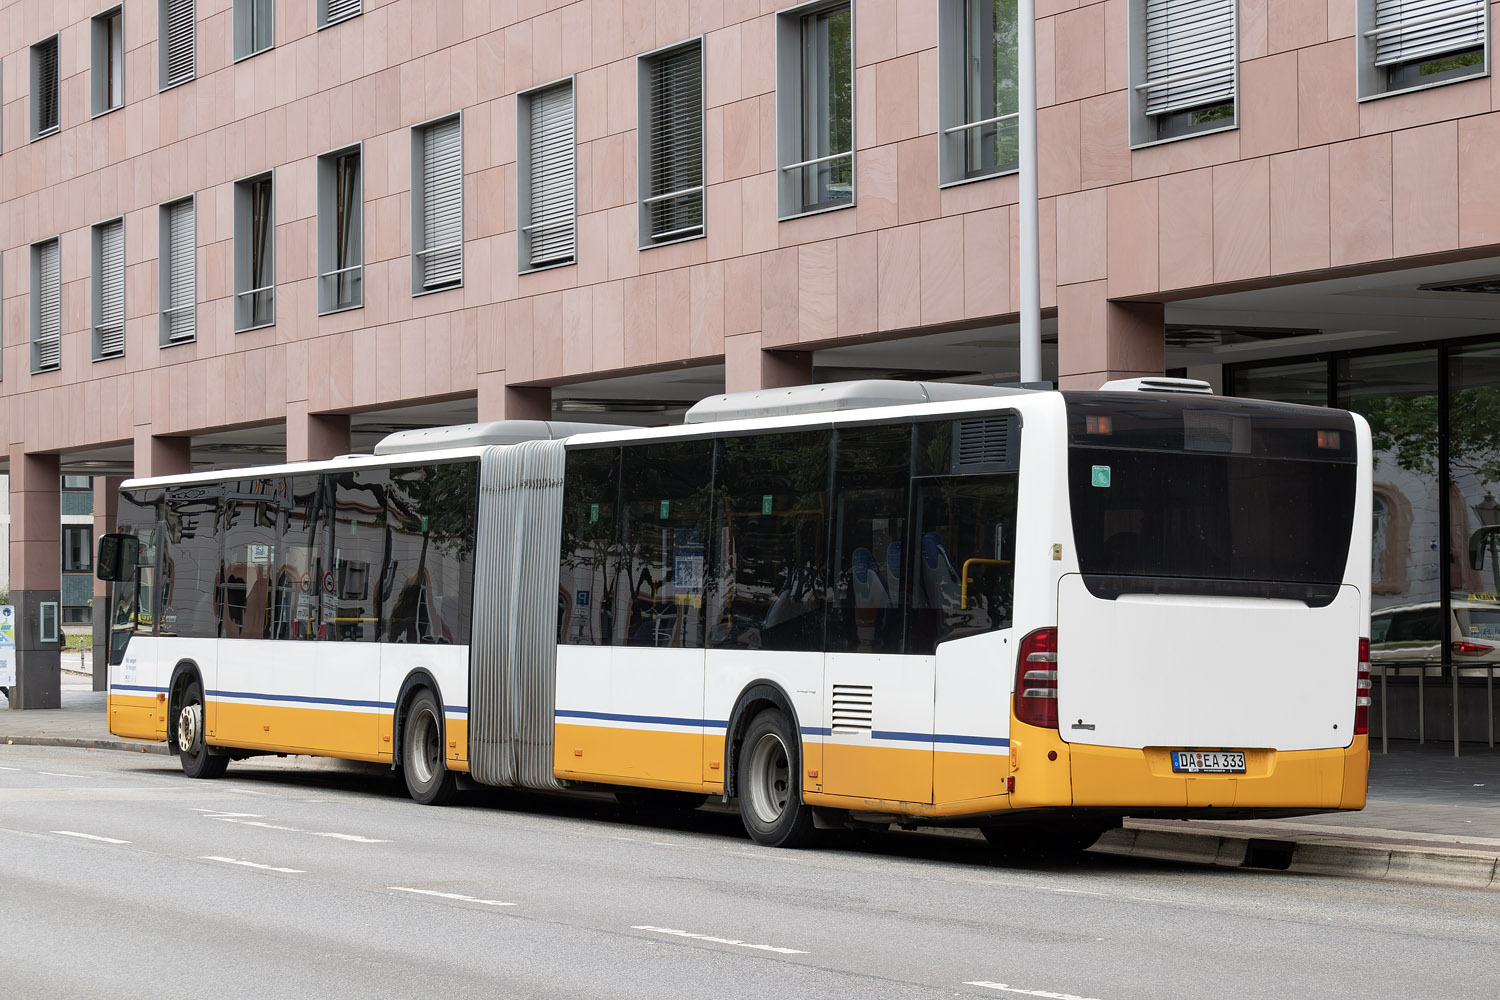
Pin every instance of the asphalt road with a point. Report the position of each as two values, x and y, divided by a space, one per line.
310 879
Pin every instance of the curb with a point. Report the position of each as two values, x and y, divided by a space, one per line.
63 741
1478 869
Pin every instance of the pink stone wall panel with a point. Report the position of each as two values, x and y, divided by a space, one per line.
1478 194
1424 187
1242 220
1079 53
1186 233
1268 105
1082 253
1133 238
987 263
1360 200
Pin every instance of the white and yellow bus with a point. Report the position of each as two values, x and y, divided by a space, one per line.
1031 612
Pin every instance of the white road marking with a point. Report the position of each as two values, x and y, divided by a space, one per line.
1031 993
252 864
353 837
58 774
250 819
2 768
717 940
89 836
448 895
221 814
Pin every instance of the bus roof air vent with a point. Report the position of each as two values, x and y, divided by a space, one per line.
984 445
489 433
833 396
1158 383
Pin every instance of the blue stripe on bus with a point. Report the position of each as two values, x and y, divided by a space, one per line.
301 699
662 720
137 687
883 734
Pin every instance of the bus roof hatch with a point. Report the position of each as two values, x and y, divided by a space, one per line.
833 396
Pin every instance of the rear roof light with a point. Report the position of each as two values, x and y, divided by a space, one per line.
1362 690
1036 679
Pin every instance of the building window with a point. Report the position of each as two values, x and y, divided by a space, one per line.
546 174
44 85
178 273
334 11
107 75
1184 68
437 205
978 99
78 482
254 27
815 108
108 245
670 89
1409 44
254 254
77 548
46 306
341 233
177 36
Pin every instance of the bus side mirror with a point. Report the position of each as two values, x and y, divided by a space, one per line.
116 558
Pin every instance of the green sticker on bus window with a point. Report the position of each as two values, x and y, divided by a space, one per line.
593 513
1101 475
765 504
666 507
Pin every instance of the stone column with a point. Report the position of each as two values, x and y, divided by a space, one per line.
157 455
747 366
106 516
498 401
315 437
1099 340
36 577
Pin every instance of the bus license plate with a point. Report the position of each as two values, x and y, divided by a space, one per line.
1208 762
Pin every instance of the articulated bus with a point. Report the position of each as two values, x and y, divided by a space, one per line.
1032 612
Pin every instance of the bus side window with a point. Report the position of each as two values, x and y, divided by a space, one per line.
430 564
664 510
868 527
589 548
191 550
250 529
351 606
962 580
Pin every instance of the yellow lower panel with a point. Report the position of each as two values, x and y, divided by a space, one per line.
457 751
137 717
356 735
645 757
876 772
958 777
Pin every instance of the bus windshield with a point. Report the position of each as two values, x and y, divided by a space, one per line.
1206 495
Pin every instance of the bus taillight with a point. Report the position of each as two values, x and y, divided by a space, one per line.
1036 679
1362 690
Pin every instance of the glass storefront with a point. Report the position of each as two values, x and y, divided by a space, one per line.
1434 415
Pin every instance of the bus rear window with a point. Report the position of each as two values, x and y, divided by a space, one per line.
1210 495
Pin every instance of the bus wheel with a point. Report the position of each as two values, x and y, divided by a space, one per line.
1042 843
770 794
428 779
192 750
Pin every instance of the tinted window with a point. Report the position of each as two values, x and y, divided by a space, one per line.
771 577
190 567
964 539
868 532
1416 626
359 546
1240 493
664 492
428 578
250 526
134 605
589 553
301 560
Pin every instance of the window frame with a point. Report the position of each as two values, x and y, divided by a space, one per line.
102 54
164 272
523 174
242 30
1142 125
37 131
37 248
96 289
244 249
87 530
646 64
418 201
790 119
327 195
1372 82
953 98
163 12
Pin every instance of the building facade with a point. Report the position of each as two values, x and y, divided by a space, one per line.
235 230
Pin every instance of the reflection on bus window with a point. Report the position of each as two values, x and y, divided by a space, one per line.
868 529
664 508
586 583
428 578
962 573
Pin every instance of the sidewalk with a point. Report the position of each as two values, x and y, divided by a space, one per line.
1430 817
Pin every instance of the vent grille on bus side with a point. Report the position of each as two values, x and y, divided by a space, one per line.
984 444
853 709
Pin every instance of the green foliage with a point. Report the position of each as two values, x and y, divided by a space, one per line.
1217 113
1436 66
1405 428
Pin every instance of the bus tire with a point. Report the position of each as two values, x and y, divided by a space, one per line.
428 779
192 747
770 794
1042 843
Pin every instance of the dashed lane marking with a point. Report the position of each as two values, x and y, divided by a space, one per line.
253 819
59 774
448 895
3 768
1003 987
89 836
251 864
717 940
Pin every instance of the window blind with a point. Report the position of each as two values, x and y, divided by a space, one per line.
181 29
442 261
111 330
337 10
1409 30
550 224
675 144
48 336
181 273
45 55
1190 54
